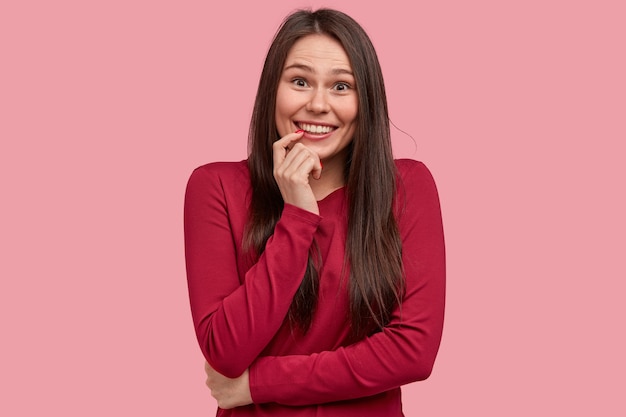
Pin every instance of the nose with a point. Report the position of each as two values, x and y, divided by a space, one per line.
318 102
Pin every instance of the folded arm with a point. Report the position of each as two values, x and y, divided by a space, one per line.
404 351
235 320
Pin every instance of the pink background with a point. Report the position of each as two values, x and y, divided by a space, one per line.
518 108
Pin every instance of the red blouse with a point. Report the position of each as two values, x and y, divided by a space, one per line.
239 310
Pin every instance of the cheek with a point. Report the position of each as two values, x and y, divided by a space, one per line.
284 106
351 111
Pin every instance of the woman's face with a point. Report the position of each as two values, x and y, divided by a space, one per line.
317 93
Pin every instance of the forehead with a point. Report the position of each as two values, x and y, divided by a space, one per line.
318 49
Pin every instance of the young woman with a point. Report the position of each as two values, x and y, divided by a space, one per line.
316 267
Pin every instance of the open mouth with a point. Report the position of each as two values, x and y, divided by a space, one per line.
315 129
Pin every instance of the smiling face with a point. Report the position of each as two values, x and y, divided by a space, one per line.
317 93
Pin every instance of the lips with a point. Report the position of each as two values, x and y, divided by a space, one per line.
315 128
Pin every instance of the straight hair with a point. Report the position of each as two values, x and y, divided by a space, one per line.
373 246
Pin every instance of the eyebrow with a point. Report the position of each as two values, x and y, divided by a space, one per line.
307 68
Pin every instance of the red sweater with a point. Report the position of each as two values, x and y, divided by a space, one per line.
239 310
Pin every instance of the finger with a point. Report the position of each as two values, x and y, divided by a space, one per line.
282 146
309 160
299 163
317 170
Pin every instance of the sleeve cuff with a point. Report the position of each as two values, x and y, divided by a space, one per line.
296 212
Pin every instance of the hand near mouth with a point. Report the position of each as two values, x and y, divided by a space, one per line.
294 164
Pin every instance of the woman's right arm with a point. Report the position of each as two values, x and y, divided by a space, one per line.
234 321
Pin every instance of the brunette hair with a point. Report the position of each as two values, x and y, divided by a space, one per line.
373 246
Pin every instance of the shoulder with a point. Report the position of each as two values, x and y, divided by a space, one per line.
414 172
222 169
416 189
225 174
405 164
218 181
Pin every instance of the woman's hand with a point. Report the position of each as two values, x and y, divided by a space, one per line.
294 163
229 393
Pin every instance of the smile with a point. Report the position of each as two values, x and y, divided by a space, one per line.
316 129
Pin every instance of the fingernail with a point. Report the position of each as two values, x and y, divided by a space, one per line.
299 131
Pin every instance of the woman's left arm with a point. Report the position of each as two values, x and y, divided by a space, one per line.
405 350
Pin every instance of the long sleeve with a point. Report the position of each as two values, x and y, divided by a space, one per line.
235 320
405 350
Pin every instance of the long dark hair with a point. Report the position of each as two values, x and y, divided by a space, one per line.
373 246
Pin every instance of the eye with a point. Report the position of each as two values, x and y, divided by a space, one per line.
341 86
299 82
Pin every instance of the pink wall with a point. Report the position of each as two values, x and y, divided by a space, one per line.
518 110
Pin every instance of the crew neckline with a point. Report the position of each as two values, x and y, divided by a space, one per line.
332 193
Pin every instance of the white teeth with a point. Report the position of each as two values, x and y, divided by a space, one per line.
315 128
